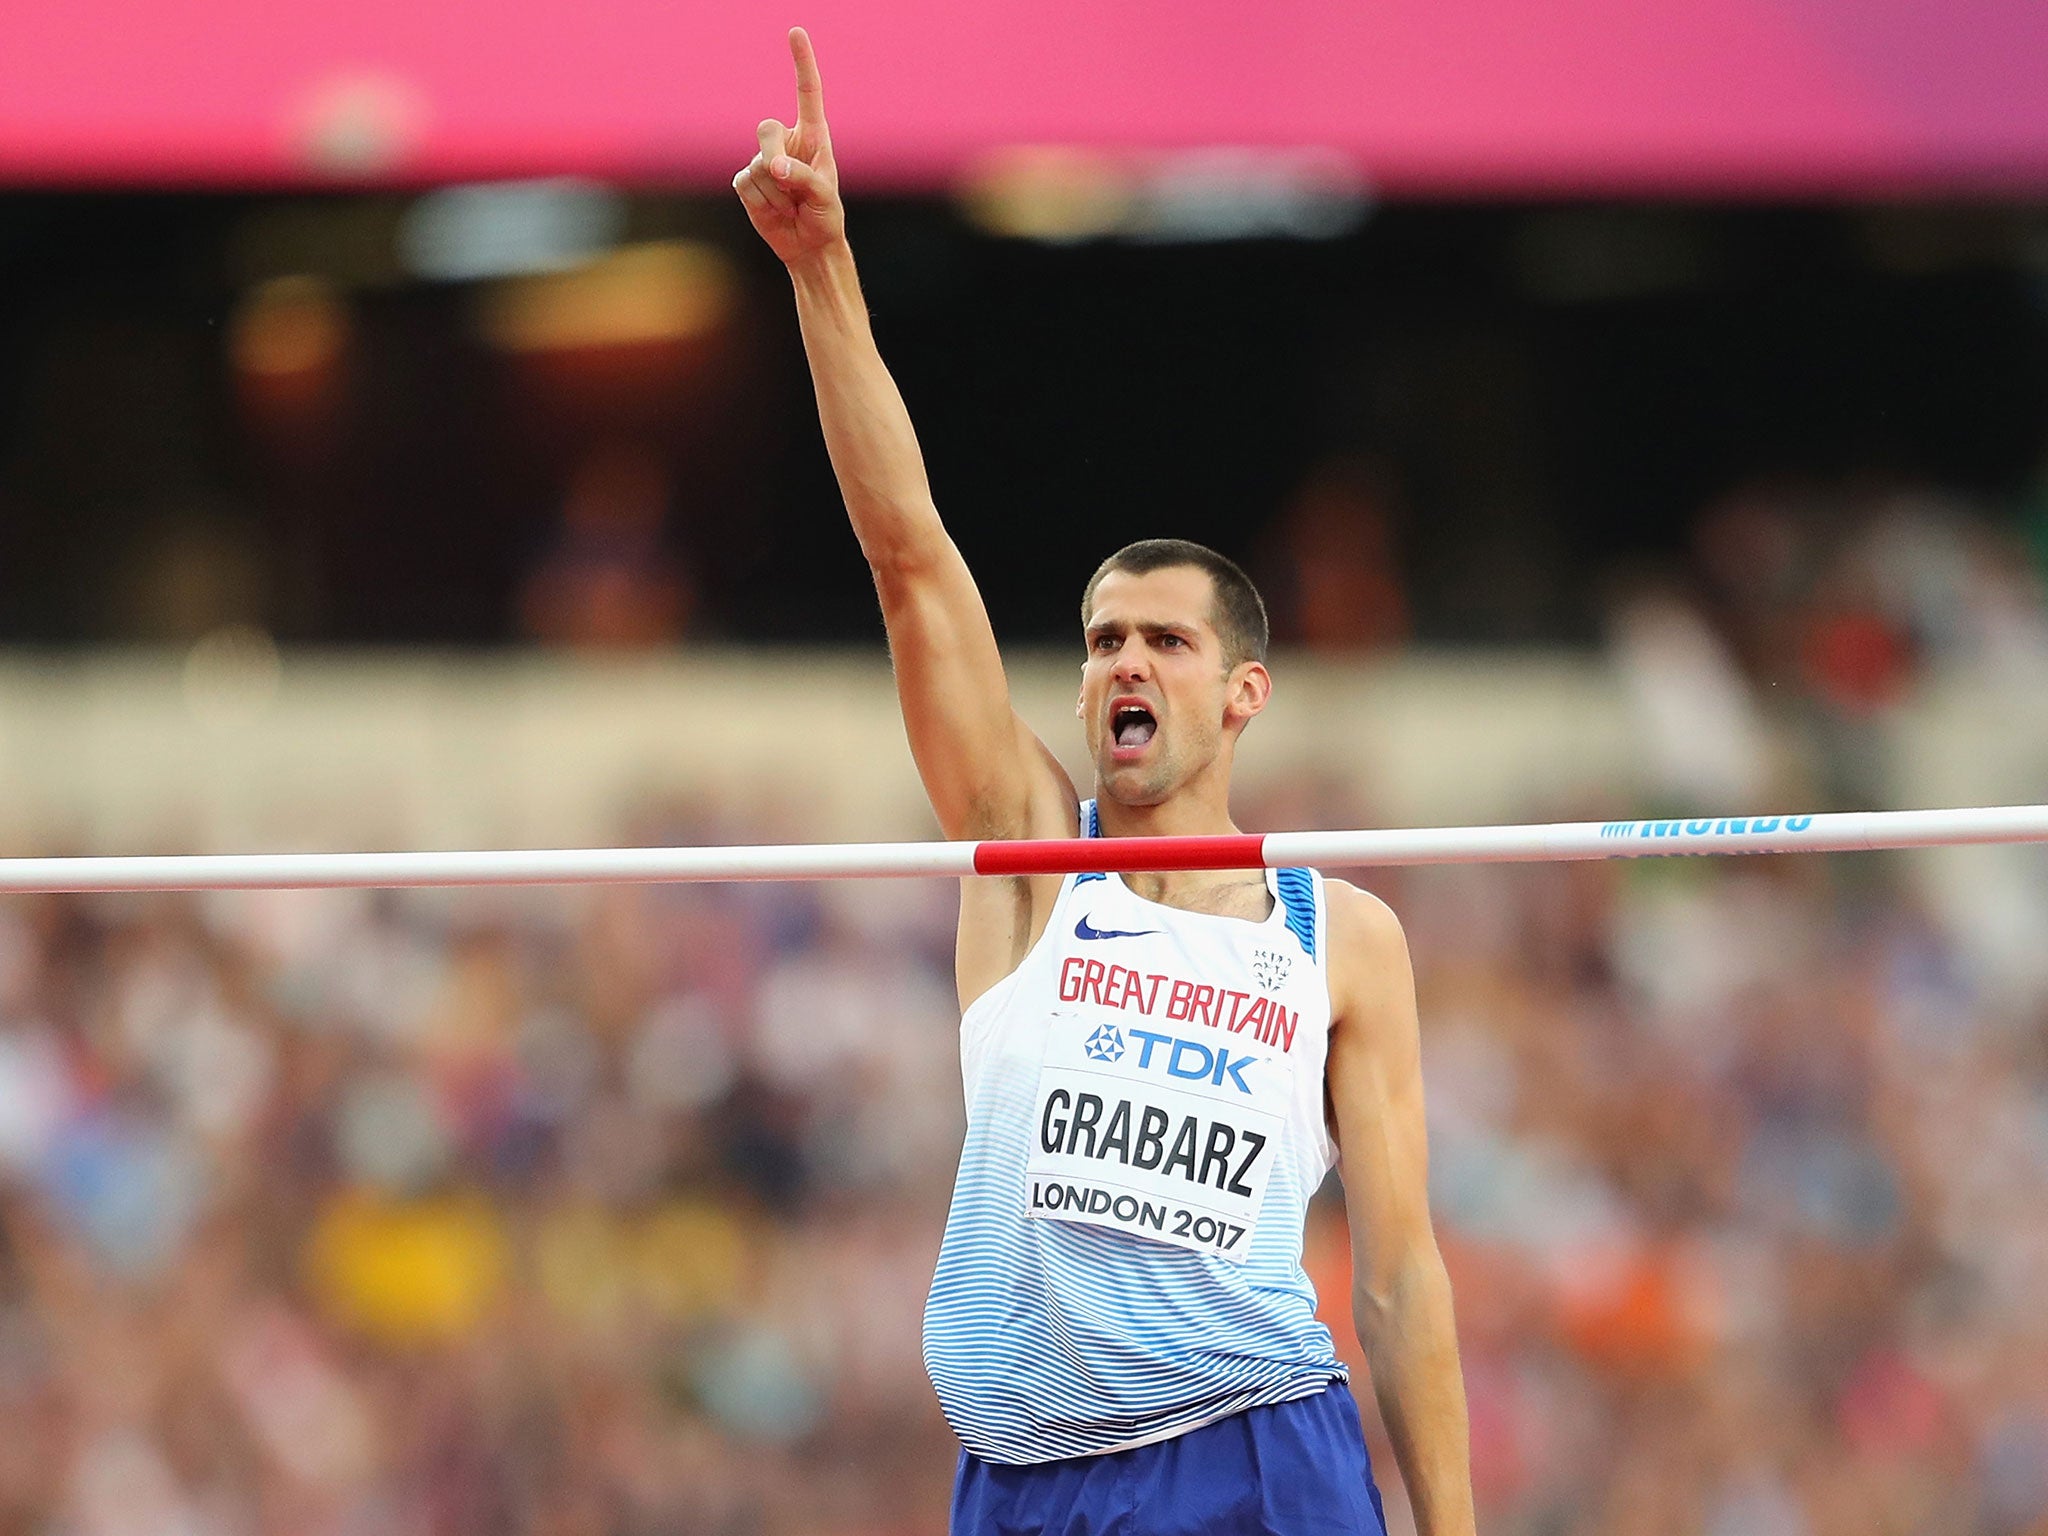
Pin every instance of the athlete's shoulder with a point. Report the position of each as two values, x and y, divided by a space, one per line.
1360 923
1370 972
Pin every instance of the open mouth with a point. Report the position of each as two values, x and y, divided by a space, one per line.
1132 726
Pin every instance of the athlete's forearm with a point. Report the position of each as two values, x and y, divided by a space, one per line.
1411 1339
868 433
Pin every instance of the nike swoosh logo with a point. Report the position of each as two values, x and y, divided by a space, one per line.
1083 931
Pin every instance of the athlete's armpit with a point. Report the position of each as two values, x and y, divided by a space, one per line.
1000 919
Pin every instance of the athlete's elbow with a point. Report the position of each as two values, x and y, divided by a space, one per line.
901 542
1375 1307
1387 1297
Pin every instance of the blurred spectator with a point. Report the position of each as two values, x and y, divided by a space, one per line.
608 579
1840 601
1848 592
1335 580
1700 726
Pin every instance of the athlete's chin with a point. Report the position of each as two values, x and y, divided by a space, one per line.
1135 784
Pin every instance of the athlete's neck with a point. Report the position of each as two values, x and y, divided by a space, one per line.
1198 809
1184 815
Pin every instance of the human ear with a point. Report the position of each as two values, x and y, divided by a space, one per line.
1251 685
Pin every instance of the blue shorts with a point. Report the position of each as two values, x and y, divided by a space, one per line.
1294 1469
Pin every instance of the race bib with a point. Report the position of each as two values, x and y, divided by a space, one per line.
1165 1134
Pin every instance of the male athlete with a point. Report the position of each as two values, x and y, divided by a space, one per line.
1160 1069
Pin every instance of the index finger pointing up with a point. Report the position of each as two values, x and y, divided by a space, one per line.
810 91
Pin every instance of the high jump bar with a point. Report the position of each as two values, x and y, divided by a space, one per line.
1826 832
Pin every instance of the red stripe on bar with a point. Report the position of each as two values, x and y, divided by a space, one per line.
1073 855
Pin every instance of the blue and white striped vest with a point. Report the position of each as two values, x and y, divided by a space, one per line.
1122 1262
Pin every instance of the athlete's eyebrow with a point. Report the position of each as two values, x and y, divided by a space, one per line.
1146 627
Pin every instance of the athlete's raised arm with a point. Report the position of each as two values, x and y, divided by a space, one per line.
1400 1293
985 772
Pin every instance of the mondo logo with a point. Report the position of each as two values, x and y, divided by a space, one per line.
1106 1044
1706 826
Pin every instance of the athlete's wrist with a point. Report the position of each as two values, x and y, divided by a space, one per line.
827 272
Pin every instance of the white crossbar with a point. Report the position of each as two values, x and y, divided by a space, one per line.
1821 833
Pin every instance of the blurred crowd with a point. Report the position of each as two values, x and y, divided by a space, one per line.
1744 1182
1840 589
609 1213
594 1214
399 1214
1829 606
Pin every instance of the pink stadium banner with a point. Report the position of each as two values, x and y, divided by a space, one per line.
1459 98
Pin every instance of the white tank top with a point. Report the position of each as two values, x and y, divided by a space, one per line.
1122 1262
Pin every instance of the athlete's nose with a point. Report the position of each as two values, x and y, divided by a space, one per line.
1132 663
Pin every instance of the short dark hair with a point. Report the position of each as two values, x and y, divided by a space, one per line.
1240 616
